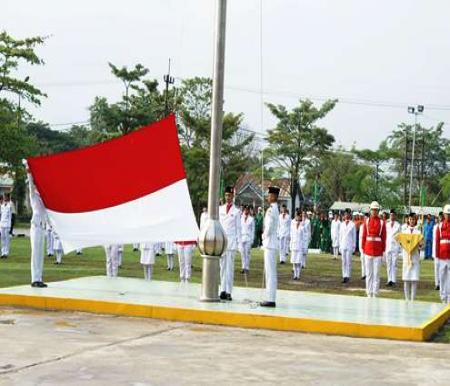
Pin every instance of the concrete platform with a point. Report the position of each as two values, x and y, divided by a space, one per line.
296 311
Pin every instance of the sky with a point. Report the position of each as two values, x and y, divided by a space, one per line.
376 57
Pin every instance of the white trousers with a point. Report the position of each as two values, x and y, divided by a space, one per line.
59 255
304 255
227 271
436 271
284 248
185 261
444 280
270 269
362 257
37 235
148 269
391 266
119 258
346 263
5 238
50 242
297 270
373 264
335 252
112 264
170 261
245 250
410 289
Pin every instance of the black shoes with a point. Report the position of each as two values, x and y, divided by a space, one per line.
268 304
225 296
242 270
345 280
245 271
4 257
229 297
282 262
39 284
363 278
437 288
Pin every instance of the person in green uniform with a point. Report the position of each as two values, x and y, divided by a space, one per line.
259 219
315 232
325 234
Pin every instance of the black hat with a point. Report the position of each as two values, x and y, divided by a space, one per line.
348 210
229 189
298 212
274 189
392 211
412 214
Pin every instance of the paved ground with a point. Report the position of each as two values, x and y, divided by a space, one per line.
57 348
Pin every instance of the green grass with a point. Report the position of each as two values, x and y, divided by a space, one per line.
323 274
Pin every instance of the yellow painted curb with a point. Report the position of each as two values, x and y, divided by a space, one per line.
234 319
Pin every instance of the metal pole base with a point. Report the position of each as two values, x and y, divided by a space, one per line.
210 279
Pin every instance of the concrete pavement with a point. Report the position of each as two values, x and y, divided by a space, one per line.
60 348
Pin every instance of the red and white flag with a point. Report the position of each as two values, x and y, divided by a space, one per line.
127 190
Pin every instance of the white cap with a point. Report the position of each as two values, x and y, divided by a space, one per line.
355 214
375 205
446 209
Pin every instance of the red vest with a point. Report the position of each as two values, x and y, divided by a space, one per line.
374 237
443 240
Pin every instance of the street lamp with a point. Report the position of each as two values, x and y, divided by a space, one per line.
168 80
416 111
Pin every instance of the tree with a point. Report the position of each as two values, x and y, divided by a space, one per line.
297 142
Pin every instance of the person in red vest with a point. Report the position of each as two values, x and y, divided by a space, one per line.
373 243
443 255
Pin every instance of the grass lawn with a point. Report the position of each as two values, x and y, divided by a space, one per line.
323 274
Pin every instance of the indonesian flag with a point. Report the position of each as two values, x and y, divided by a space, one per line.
127 190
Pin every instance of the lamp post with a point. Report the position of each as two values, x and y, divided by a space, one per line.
416 111
212 239
168 80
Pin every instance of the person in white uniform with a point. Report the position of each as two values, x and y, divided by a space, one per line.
347 245
270 245
306 237
411 267
296 244
247 237
437 286
284 228
203 217
58 248
37 234
120 255
185 250
148 253
393 248
335 225
230 220
5 225
169 249
112 260
49 240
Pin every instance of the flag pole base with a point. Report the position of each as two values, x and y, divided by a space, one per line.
210 279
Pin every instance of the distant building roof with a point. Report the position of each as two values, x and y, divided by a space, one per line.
6 181
251 182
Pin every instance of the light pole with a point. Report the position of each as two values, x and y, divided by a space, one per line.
416 111
212 239
168 80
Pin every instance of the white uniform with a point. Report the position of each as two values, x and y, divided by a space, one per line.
436 260
203 218
5 226
335 226
411 273
231 223
247 237
49 239
120 255
393 249
37 233
347 245
169 248
58 248
112 260
147 259
296 245
284 228
270 245
185 251
306 240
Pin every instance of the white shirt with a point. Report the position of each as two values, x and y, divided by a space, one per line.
297 242
203 218
392 228
284 225
231 223
5 215
269 236
347 236
247 229
335 226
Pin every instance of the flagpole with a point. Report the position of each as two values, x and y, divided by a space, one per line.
212 239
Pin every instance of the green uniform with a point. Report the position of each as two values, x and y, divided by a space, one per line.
325 236
259 219
315 233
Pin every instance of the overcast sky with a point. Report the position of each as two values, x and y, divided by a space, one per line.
375 56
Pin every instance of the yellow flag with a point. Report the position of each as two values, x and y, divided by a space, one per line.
409 242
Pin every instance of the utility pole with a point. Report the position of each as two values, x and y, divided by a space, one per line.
405 185
416 111
168 80
212 239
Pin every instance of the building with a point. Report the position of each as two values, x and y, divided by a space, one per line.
6 184
248 190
